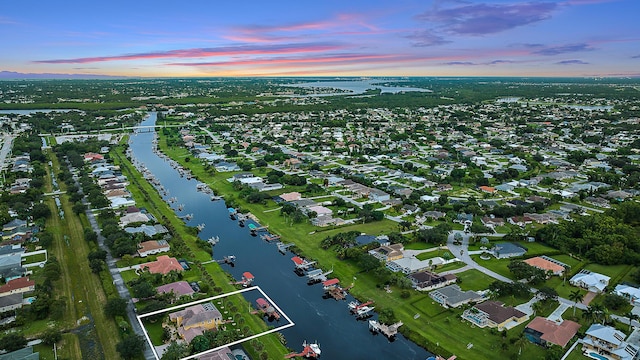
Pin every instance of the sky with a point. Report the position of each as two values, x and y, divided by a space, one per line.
197 38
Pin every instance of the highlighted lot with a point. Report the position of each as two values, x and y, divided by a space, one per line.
185 322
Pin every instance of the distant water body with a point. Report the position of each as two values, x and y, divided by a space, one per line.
354 87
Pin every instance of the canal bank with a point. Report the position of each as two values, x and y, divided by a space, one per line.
327 321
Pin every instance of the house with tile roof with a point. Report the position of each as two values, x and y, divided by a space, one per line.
163 265
151 247
196 319
178 288
545 265
17 286
543 331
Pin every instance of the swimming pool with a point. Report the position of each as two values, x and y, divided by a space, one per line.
597 356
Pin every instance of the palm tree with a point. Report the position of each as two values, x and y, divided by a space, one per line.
575 296
598 312
631 316
588 314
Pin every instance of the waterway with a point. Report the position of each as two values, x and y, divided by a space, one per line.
328 321
351 87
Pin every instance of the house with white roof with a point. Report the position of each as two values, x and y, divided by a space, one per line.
629 292
605 340
591 281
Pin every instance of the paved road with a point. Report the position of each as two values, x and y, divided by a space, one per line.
7 143
117 280
462 253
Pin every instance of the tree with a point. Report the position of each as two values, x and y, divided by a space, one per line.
175 351
614 301
51 336
115 307
547 293
576 296
130 347
13 342
143 290
200 343
40 211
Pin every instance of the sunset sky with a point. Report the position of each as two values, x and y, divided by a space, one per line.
326 38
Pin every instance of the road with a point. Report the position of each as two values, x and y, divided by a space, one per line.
117 279
7 143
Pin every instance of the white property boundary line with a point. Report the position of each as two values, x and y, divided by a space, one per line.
153 348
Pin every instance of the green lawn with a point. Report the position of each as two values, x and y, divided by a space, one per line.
496 265
474 280
419 245
451 266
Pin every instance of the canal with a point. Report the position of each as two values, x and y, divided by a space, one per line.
327 321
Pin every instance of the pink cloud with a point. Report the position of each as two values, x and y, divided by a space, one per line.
205 52
341 58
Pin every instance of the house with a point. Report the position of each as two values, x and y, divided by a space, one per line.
163 265
11 266
290 196
388 252
136 217
426 280
151 247
487 189
591 281
434 214
492 221
605 340
22 354
521 221
10 302
629 292
378 195
17 286
494 314
13 224
195 320
147 230
546 265
93 157
542 331
453 296
507 250
178 288
224 166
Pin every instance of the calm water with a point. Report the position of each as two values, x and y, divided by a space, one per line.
355 86
328 321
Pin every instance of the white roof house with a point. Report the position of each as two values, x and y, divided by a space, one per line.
591 281
629 292
608 341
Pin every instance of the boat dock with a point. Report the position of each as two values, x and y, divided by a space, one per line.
315 276
309 351
269 237
254 228
387 330
267 309
247 279
232 213
282 247
302 265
